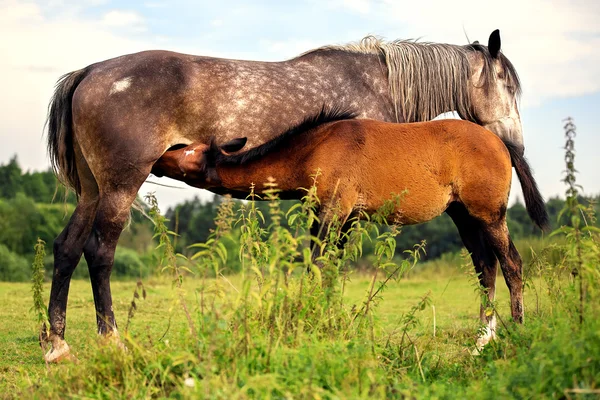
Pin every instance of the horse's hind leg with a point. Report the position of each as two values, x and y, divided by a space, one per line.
116 197
68 248
484 260
510 262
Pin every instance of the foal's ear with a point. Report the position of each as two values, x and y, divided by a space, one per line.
234 145
494 43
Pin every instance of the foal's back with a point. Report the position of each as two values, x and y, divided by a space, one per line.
432 163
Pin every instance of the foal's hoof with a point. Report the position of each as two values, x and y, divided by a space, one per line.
58 352
486 336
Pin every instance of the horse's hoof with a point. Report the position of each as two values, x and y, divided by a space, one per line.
113 339
475 352
118 344
59 351
486 336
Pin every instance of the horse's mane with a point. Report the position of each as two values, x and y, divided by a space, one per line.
214 156
427 79
487 75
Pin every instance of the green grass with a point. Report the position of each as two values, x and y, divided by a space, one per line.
541 359
292 338
22 367
273 331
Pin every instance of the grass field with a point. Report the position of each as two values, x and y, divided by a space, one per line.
275 332
456 310
23 371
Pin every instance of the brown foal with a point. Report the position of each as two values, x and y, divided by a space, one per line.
449 166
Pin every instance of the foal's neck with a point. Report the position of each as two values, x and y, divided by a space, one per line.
286 166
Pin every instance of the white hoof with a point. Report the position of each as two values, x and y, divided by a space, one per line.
59 351
487 335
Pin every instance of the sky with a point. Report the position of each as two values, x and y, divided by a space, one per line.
554 47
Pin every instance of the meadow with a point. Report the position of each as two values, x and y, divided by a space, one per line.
23 371
399 330
286 326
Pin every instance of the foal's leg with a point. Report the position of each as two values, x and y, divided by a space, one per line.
320 230
485 263
510 261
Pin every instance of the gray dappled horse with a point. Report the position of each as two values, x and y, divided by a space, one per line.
110 122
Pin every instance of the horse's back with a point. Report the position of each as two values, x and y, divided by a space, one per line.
155 99
179 99
384 159
449 141
429 164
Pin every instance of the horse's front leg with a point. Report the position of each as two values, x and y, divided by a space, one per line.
330 230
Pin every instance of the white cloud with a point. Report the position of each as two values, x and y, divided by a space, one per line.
155 5
15 13
360 6
35 52
121 18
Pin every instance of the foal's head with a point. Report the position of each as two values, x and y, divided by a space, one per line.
214 152
196 163
494 90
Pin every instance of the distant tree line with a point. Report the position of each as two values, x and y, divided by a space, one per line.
33 205
40 187
193 220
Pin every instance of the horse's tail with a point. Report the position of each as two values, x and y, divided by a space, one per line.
60 129
534 202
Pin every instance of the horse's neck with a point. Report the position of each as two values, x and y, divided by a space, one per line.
241 177
360 83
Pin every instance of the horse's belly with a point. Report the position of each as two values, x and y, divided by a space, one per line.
417 215
415 204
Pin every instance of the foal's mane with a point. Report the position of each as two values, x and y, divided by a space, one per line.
427 79
214 156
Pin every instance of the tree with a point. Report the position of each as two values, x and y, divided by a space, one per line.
10 179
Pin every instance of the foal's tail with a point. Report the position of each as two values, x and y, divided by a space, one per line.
60 129
534 202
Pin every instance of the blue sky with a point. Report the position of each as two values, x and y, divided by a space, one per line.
555 51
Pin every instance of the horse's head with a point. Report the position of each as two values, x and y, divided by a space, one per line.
494 90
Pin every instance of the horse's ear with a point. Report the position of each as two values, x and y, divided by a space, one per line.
494 43
234 145
475 42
